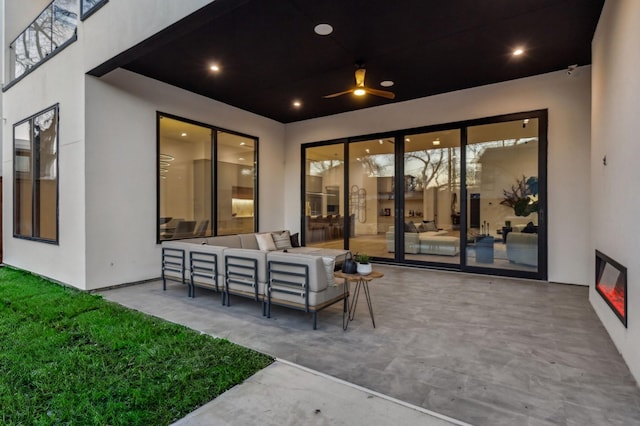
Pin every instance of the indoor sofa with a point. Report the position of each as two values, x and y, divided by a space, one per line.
425 242
522 248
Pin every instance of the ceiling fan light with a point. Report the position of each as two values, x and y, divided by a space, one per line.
359 92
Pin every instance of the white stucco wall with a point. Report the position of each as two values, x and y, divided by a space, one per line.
54 82
566 97
121 169
615 129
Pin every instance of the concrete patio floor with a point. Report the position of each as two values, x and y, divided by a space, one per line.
484 350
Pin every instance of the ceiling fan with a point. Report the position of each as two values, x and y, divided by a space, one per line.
360 88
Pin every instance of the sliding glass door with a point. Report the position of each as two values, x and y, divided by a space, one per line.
431 187
503 188
468 196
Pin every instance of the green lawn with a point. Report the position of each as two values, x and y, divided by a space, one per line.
68 357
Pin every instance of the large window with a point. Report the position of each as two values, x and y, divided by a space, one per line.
206 180
52 30
35 173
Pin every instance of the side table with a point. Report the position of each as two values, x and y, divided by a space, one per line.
362 282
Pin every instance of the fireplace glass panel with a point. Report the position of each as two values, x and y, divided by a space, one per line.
611 284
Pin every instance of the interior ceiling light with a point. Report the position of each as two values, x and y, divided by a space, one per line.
183 134
519 51
323 29
359 92
367 150
243 143
214 67
380 142
387 83
297 104
407 140
166 157
164 164
241 159
436 141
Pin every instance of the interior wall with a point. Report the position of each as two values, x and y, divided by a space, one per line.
614 225
121 169
567 99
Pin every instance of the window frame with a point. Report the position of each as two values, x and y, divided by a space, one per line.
93 9
214 172
35 151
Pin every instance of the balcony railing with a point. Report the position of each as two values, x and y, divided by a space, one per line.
52 30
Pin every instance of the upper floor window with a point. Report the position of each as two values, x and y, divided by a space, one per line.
88 7
53 29
35 177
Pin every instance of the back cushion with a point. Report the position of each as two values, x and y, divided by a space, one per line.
248 241
282 240
265 242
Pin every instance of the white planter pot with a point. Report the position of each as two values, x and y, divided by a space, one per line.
364 268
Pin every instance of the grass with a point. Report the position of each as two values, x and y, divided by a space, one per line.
72 358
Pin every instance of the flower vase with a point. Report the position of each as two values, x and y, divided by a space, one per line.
364 268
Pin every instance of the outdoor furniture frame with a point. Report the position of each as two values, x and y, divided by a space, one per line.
292 279
244 272
172 261
203 269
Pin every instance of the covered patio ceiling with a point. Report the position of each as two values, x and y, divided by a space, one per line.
269 55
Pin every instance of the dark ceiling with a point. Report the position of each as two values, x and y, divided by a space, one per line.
270 56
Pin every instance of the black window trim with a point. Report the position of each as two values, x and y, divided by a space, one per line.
93 9
55 107
214 152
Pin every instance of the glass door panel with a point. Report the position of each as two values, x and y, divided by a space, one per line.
371 197
502 195
430 194
324 222
236 193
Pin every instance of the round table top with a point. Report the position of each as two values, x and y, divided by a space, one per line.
358 277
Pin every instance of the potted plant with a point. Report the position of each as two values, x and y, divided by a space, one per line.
523 197
364 267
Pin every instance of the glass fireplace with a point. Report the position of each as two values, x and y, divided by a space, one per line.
611 283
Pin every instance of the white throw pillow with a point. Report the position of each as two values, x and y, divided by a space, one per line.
329 267
265 242
282 240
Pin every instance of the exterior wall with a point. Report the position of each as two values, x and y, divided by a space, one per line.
121 158
615 129
56 81
566 97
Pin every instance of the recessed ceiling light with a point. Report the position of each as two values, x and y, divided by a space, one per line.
183 134
380 142
519 51
243 143
323 29
436 141
367 150
359 92
407 140
214 67
387 83
241 159
297 104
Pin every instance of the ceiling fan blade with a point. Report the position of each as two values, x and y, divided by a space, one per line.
334 95
360 77
382 93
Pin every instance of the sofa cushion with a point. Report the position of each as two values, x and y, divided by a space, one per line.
248 241
265 242
282 240
430 226
410 227
295 240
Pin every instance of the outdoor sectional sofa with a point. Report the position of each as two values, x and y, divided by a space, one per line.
296 277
